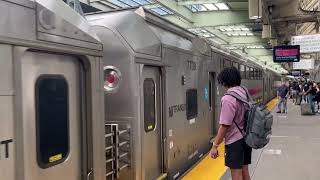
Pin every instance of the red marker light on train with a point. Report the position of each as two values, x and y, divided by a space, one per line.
112 78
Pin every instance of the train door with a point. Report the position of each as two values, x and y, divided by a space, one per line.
212 95
152 123
51 117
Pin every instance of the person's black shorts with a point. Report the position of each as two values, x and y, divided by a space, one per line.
237 154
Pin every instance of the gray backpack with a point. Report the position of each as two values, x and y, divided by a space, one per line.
258 122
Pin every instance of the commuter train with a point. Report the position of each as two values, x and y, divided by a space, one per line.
162 99
127 95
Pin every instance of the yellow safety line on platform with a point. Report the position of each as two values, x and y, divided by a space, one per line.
214 169
272 104
208 168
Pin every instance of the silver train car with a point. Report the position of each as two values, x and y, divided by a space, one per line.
129 96
162 99
50 94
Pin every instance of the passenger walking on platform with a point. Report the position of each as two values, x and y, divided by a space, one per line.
310 94
290 89
294 91
299 93
305 89
317 97
237 152
282 93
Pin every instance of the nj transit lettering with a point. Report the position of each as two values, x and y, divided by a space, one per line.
6 144
176 108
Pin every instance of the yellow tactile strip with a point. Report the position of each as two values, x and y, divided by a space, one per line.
208 168
272 104
213 169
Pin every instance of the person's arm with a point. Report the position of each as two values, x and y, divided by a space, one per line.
227 114
287 95
218 140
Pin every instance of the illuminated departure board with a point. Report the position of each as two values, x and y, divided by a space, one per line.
286 54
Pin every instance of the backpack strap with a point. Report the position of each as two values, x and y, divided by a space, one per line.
247 93
241 130
238 97
241 99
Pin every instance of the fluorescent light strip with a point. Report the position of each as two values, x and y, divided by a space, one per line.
222 6
211 7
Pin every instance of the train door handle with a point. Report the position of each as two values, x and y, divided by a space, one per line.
89 174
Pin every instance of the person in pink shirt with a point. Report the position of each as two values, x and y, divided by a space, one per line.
237 152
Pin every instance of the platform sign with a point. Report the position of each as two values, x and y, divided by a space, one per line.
296 73
308 43
305 64
286 54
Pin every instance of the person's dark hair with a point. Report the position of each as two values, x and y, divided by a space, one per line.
229 77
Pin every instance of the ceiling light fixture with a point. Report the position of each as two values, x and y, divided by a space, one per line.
211 7
222 6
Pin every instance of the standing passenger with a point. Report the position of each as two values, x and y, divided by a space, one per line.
282 94
310 94
238 153
317 98
290 89
294 91
305 89
299 94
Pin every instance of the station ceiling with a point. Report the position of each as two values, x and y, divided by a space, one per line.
224 23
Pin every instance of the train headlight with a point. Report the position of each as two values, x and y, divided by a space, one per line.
112 79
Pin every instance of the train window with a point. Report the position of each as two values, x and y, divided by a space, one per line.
226 63
256 74
251 73
149 105
236 65
192 104
210 94
52 120
260 74
242 71
248 72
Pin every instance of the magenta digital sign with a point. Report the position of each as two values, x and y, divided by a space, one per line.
286 54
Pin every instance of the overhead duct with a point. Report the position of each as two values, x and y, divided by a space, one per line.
255 9
266 31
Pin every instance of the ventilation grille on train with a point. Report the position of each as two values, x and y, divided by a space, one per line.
117 140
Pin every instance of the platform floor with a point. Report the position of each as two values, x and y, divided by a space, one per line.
292 154
294 150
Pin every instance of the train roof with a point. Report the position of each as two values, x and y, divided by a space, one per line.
146 32
44 22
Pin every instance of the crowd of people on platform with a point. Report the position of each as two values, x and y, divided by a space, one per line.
302 91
